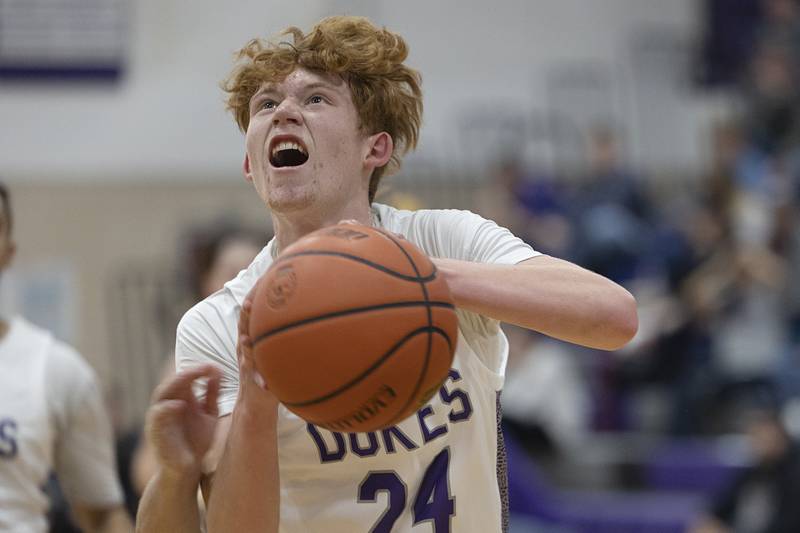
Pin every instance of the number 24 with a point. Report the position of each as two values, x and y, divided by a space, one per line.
433 501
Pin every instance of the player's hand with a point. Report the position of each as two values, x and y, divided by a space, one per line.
252 387
179 427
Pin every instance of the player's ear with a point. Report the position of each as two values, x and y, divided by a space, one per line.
248 174
380 147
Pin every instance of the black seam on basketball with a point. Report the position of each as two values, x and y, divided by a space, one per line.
352 311
363 261
422 374
427 359
355 381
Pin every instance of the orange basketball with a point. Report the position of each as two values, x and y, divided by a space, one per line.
353 330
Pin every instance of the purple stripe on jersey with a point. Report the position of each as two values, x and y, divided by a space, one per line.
502 466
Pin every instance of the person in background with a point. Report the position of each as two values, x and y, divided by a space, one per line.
212 255
764 498
611 211
52 418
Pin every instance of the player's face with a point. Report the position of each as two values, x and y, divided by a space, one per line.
305 149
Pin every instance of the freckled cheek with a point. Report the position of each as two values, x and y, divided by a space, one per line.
340 152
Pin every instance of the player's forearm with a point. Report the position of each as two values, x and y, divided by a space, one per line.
246 489
169 505
548 295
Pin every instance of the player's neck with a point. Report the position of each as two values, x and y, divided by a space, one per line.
4 327
290 228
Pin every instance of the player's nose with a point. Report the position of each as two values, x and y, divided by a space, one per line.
287 112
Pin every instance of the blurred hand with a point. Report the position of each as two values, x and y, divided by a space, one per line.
180 428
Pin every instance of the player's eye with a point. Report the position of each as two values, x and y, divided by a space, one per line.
316 99
268 104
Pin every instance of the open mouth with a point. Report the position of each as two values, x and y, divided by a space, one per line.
287 154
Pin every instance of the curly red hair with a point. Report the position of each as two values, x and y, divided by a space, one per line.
386 93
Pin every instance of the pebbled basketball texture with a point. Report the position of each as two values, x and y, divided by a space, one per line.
353 330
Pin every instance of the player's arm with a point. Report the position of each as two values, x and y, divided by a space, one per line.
246 490
169 504
181 431
549 295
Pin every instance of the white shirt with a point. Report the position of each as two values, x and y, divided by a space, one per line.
51 418
440 466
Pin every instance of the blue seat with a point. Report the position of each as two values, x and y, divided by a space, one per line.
530 494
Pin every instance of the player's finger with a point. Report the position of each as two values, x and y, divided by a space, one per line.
243 349
212 395
162 413
180 385
244 315
247 369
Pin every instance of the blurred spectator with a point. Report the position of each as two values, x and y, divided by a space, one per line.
676 355
780 27
724 326
771 98
611 211
763 499
51 418
545 399
211 256
526 200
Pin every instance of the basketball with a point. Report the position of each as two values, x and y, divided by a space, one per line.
352 328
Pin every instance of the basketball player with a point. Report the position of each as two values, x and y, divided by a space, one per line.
51 418
324 117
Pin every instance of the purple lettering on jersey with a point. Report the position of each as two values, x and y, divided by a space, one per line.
390 483
8 438
388 441
370 450
449 397
428 434
332 445
325 455
434 502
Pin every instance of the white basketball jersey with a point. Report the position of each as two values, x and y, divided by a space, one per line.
51 418
438 470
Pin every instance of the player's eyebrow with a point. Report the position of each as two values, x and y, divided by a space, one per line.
270 88
263 90
319 85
